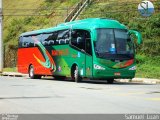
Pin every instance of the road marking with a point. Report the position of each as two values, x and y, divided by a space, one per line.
154 99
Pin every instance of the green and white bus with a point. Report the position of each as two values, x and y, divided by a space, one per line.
94 48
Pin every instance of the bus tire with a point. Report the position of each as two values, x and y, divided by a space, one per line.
31 73
110 81
77 77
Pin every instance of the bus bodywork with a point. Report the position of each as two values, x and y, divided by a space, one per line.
94 48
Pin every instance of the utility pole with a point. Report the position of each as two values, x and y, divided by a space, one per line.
1 39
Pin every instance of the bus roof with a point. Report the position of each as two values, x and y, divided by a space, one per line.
88 24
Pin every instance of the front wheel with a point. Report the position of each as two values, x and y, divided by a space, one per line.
32 74
75 75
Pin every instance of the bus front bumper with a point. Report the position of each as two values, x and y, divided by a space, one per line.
125 73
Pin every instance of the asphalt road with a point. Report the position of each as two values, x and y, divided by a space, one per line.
23 95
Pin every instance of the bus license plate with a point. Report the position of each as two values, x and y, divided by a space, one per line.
117 74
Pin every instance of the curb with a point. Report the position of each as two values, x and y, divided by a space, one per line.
134 80
13 74
141 80
148 80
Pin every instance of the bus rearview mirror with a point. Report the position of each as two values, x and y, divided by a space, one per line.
137 34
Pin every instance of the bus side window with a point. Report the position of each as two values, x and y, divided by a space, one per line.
20 42
82 40
27 42
52 38
63 37
78 39
88 43
45 39
49 38
24 42
31 39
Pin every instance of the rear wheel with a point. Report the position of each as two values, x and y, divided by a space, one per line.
32 74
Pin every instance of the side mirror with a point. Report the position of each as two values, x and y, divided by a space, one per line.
137 34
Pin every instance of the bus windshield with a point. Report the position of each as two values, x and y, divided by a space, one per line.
114 44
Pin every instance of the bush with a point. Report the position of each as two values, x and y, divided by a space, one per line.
140 59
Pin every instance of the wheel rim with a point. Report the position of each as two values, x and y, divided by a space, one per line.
76 73
31 72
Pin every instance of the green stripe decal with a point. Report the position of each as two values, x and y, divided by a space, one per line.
48 63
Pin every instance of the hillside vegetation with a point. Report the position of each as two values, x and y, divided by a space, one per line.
36 14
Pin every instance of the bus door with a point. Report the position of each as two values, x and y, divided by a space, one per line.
88 50
78 43
81 40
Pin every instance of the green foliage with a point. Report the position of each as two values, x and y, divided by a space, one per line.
14 69
148 67
49 0
14 30
140 59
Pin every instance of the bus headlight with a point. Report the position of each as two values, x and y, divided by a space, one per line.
132 68
98 67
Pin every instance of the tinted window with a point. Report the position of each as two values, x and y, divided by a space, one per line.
82 40
114 44
27 42
78 39
63 37
105 41
54 38
49 39
35 38
88 45
20 42
123 42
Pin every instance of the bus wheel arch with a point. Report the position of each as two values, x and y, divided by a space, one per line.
75 73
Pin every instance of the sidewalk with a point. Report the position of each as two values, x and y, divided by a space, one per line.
14 74
141 80
134 80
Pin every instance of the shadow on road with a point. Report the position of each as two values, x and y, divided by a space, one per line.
115 82
97 82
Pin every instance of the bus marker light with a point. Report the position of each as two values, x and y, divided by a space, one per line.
79 55
81 71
